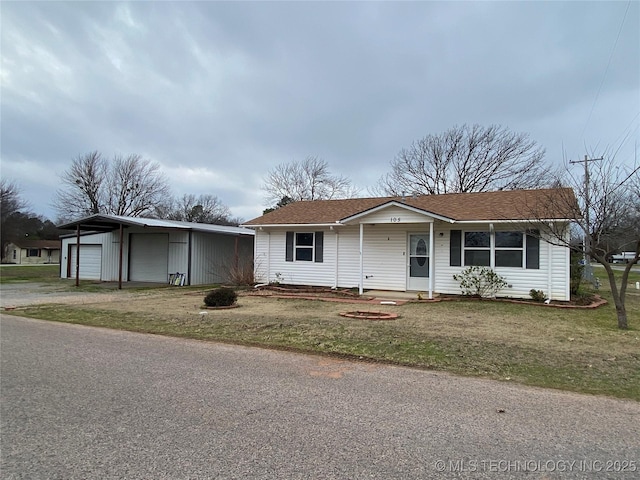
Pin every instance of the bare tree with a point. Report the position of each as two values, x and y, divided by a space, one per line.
200 209
130 186
466 159
83 189
136 185
606 217
11 205
306 180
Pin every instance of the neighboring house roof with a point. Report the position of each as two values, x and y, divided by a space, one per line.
548 204
40 244
105 223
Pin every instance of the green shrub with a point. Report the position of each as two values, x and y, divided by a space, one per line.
576 272
480 282
537 295
221 297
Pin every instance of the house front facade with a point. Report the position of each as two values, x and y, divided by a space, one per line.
416 244
31 252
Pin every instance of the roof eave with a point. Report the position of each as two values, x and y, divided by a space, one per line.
292 225
395 203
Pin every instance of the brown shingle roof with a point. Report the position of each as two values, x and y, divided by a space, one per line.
557 203
44 244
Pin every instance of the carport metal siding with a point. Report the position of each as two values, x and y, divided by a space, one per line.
213 256
149 254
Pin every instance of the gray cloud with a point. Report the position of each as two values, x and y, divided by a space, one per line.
220 92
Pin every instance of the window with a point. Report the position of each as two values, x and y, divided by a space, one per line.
33 252
14 254
477 248
304 247
509 249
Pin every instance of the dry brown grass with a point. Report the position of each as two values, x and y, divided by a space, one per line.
579 350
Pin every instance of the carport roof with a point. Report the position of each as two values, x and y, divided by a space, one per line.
107 223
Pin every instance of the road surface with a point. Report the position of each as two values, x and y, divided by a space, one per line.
89 403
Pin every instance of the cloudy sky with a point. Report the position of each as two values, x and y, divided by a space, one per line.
221 92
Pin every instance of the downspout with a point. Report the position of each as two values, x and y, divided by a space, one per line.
361 288
120 258
78 255
431 260
549 263
335 283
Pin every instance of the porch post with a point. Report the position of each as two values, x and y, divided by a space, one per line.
431 260
361 289
120 257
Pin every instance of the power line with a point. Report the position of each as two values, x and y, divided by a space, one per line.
606 70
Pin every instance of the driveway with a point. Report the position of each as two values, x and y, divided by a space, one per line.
81 402
32 293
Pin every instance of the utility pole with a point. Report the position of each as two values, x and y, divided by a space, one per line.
587 240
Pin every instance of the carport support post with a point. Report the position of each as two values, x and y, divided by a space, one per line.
78 255
120 258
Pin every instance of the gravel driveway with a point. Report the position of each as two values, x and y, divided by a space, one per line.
23 294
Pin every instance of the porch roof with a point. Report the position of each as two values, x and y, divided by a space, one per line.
541 204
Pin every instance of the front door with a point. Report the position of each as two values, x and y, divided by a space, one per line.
418 262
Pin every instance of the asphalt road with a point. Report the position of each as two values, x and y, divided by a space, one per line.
83 403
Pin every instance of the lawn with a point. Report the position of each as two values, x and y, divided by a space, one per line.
578 350
29 273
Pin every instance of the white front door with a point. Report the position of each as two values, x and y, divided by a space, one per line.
418 262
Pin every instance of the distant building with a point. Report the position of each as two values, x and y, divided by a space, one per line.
28 252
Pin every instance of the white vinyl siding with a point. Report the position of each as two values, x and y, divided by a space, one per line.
272 246
394 215
385 260
520 280
385 257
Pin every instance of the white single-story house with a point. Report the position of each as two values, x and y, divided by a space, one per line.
28 252
116 248
418 243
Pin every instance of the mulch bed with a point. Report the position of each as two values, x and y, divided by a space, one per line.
344 295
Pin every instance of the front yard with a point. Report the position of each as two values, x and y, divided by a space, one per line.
579 350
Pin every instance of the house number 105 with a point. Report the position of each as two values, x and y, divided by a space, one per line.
395 219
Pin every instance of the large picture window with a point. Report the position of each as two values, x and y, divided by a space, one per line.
33 252
509 249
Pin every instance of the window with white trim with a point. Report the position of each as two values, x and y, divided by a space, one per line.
304 247
512 249
477 249
509 249
33 252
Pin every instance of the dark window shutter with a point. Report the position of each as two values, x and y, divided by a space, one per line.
455 248
289 249
319 246
533 249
